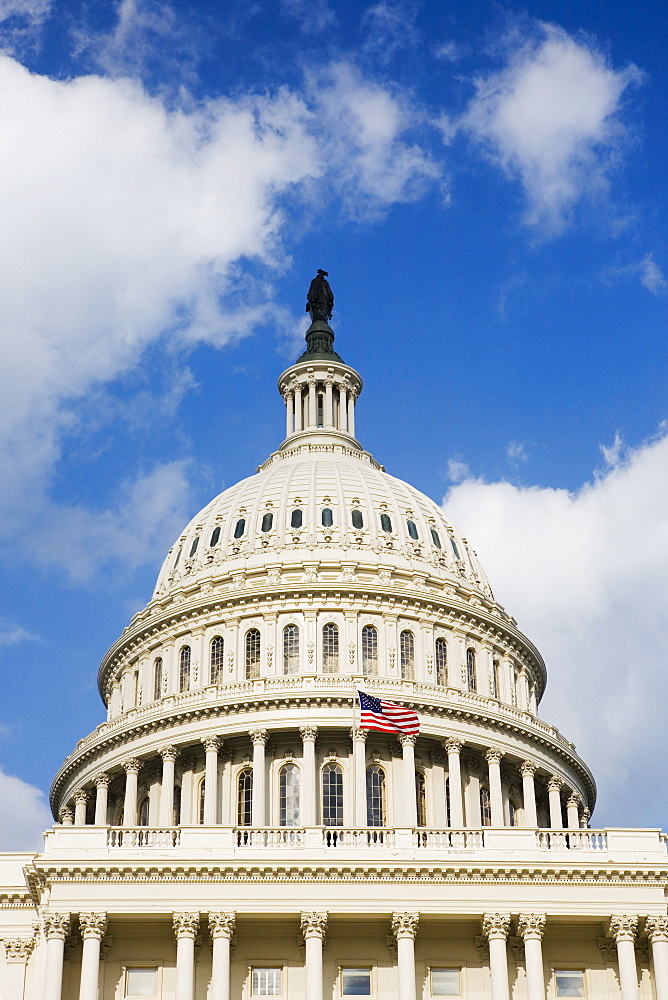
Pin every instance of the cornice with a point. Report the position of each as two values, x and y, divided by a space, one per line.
16 901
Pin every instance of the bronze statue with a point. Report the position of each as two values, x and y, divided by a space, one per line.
320 300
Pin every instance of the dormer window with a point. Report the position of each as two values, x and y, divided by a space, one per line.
267 521
215 535
296 518
435 538
412 530
240 527
455 550
193 547
386 523
327 517
357 520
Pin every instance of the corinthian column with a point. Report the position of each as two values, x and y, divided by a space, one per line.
573 811
554 793
169 755
527 770
404 928
259 738
453 749
656 929
409 805
314 929
93 928
211 746
185 926
130 803
80 803
493 758
531 927
623 929
221 929
308 735
359 770
56 929
495 928
101 792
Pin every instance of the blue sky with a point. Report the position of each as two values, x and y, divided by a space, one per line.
485 184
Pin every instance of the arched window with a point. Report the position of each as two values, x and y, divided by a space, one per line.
290 649
495 679
176 808
369 651
386 523
455 550
357 520
157 679
407 651
288 795
193 547
412 530
239 527
215 536
420 799
245 797
296 518
252 654
471 681
200 802
436 538
217 660
327 517
267 521
332 795
441 651
178 556
184 669
485 807
375 796
330 648
143 811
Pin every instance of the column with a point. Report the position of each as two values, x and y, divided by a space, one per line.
351 411
17 955
493 758
312 402
130 803
438 758
169 755
314 929
472 809
56 929
185 926
623 929
527 770
289 413
66 816
404 928
453 749
211 746
572 811
309 791
101 793
298 408
343 408
80 803
495 929
93 928
554 793
328 415
259 738
359 774
656 929
221 929
408 816
531 927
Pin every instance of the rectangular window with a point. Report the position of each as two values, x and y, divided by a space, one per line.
141 982
266 982
569 983
445 983
355 982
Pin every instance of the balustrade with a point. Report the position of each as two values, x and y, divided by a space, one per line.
143 836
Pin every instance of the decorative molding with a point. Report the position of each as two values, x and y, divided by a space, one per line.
623 928
407 739
405 925
530 926
222 925
211 743
608 949
105 947
132 765
516 946
528 769
102 780
18 949
482 944
496 925
169 753
555 783
93 925
493 756
308 733
314 925
81 795
185 925
656 928
453 746
259 736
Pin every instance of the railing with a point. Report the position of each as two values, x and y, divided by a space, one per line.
572 840
458 839
373 836
143 836
282 836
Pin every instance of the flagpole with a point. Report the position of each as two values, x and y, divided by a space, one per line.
354 758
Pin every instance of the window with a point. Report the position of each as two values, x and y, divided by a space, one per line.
193 547
267 521
407 652
369 651
386 523
288 793
141 982
569 983
200 802
355 982
357 520
327 518
512 813
157 679
375 796
184 669
217 659
296 518
176 808
143 811
485 807
435 537
239 527
332 795
455 550
445 982
252 654
412 530
441 651
245 797
178 556
420 799
330 648
320 410
266 982
135 689
494 679
215 536
290 649
471 681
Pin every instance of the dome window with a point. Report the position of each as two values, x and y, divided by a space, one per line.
290 649
435 537
288 795
471 679
157 679
332 795
330 648
184 670
369 651
252 654
375 796
193 547
245 797
441 651
386 523
267 521
240 527
296 518
412 530
357 520
327 517
215 535
455 550
217 659
178 556
407 651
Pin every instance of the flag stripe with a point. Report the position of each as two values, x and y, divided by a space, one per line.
376 713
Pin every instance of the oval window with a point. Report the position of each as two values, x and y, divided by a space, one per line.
386 522
327 518
267 521
455 549
357 519
193 547
412 530
240 528
296 518
215 535
435 538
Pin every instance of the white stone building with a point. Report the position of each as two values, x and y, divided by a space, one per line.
230 831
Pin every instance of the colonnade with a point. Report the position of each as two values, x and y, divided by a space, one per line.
530 927
320 398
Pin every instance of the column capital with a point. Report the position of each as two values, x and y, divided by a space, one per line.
308 733
102 780
132 766
258 736
527 769
56 925
453 746
555 784
66 816
169 753
80 795
93 925
314 925
407 739
493 756
656 928
574 799
496 925
623 928
405 925
18 949
360 734
185 925
222 925
531 926
212 743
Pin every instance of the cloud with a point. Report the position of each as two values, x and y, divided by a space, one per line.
552 118
457 470
585 575
22 825
651 276
516 452
390 26
11 634
314 16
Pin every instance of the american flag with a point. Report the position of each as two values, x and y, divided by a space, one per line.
376 713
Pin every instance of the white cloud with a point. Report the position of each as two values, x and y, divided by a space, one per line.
551 117
11 634
389 27
314 16
651 276
516 452
22 825
585 573
457 470
31 10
